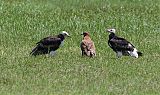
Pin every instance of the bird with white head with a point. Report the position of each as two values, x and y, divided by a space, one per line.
65 33
50 44
121 46
111 30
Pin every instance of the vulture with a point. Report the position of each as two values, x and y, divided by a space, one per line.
49 44
121 46
87 45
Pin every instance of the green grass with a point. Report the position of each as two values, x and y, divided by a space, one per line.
24 22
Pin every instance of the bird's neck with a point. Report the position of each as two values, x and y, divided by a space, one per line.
61 37
111 35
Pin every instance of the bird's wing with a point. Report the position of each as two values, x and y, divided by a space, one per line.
50 42
88 45
91 46
39 50
83 45
121 44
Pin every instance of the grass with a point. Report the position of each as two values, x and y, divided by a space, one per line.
24 22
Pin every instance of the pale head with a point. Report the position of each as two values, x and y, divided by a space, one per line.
65 33
111 30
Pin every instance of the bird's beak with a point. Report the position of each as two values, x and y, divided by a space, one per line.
107 30
81 33
68 35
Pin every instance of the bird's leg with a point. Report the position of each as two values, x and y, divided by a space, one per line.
52 53
119 54
48 50
88 53
82 53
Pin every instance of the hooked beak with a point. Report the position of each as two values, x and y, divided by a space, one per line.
107 30
68 36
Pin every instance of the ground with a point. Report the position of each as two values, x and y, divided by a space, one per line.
25 22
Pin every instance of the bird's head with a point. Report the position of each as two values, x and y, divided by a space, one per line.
85 33
112 30
65 34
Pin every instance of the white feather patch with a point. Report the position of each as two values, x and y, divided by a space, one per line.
129 45
134 53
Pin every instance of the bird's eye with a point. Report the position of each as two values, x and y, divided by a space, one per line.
111 29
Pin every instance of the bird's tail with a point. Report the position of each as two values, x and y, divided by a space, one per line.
34 52
139 53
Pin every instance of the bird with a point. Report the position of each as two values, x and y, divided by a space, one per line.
121 46
50 44
87 45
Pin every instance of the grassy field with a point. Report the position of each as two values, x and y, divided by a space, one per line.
24 22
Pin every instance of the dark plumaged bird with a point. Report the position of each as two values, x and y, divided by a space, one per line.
121 46
49 44
87 45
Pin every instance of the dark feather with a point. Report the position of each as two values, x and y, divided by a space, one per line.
47 44
39 50
120 44
50 42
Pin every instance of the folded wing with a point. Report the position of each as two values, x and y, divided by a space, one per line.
46 45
